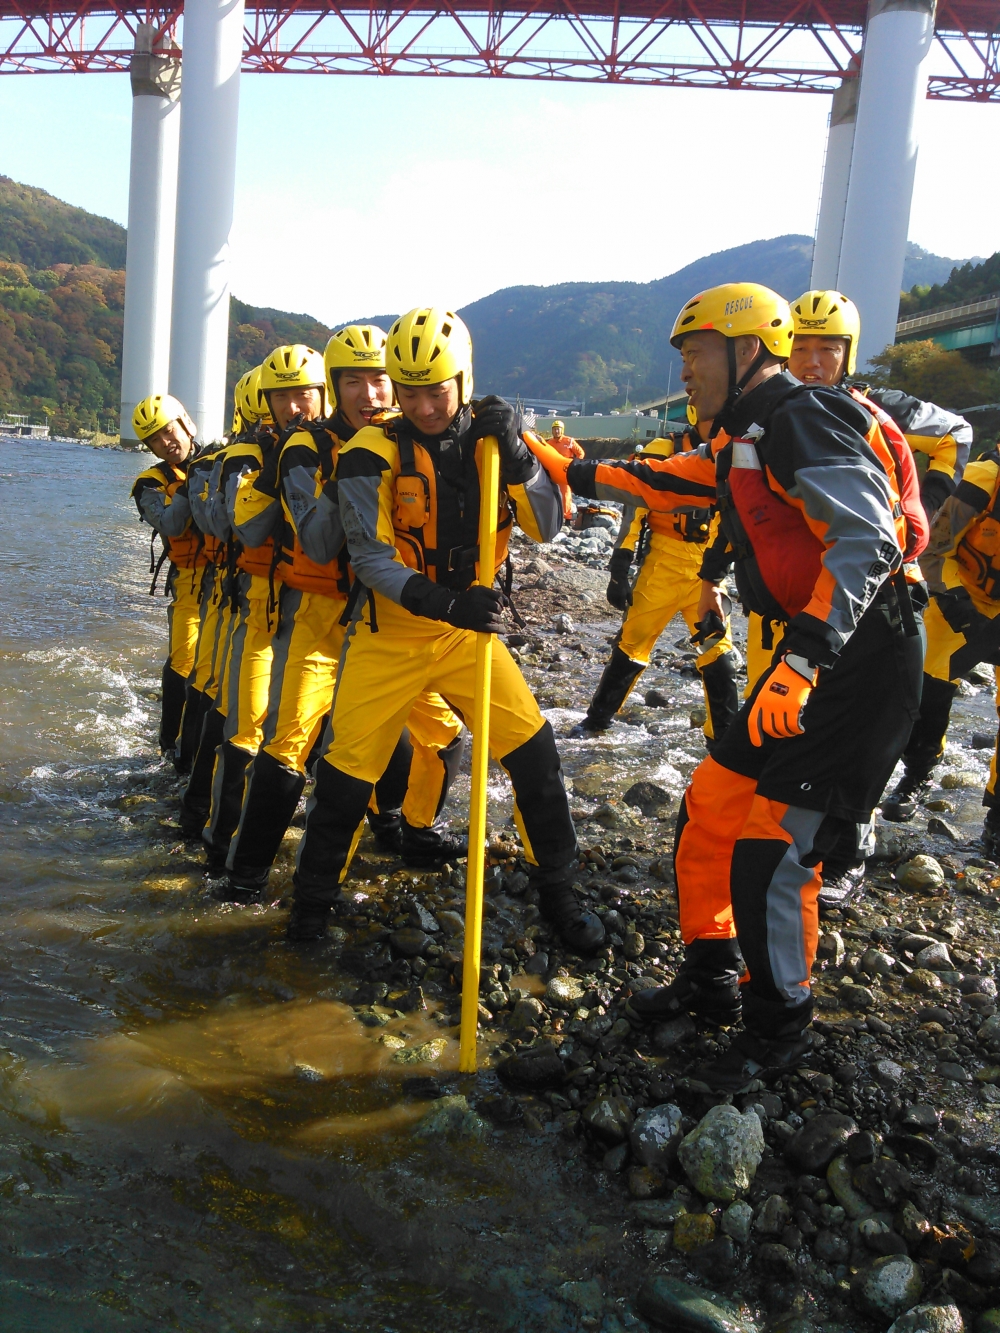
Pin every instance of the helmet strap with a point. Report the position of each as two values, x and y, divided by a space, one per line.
736 386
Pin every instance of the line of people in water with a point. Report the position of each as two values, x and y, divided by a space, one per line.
325 598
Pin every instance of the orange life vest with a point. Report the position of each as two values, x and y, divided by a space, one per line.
296 568
188 550
415 516
257 559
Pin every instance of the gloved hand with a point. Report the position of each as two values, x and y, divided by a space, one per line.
495 416
956 606
476 608
777 709
619 589
715 608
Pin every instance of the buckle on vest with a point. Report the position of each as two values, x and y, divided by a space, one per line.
461 557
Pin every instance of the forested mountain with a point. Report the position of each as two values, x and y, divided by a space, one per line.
968 283
62 290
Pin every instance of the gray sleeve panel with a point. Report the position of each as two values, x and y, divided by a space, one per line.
950 522
856 516
262 525
169 520
316 518
545 499
374 560
213 507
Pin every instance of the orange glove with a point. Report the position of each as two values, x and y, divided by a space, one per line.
777 709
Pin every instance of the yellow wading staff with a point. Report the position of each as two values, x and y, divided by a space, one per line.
489 499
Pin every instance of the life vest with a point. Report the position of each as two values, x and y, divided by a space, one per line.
294 567
978 552
256 559
777 556
415 516
188 551
687 524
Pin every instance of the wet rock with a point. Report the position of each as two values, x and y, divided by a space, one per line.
955 1072
988 1322
862 1148
890 1287
609 1118
923 982
614 1159
737 1221
656 1136
831 948
949 1244
772 1216
839 1177
562 624
953 781
693 1230
392 1042
984 1267
424 1054
912 1225
884 1183
876 963
989 1032
942 829
450 1116
888 1074
880 1237
815 1145
647 1182
422 1087
657 699
922 1118
372 992
532 1070
888 842
856 997
930 1319
452 923
680 1308
411 1001
587 1297
935 956
668 1035
830 1247
565 992
421 919
526 1014
635 945
721 1155
646 796
538 964
923 875
663 1212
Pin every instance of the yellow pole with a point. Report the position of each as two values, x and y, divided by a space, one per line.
489 499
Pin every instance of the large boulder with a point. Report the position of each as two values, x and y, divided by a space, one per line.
721 1154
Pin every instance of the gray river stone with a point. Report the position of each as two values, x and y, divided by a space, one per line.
817 1143
721 1155
890 1287
675 1306
656 1135
930 1319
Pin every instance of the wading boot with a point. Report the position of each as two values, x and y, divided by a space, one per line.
196 802
580 930
427 849
721 695
991 833
387 830
750 1058
172 710
706 985
242 895
613 689
904 802
307 922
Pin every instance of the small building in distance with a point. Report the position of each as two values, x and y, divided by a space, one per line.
22 428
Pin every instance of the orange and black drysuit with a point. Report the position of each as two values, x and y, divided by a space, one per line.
668 549
315 578
161 497
410 507
801 476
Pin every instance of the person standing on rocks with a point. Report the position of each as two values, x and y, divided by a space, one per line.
669 549
808 491
409 492
567 446
162 423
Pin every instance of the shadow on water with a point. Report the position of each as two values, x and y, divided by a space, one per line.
195 1131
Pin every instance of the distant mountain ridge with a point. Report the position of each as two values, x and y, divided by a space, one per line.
62 290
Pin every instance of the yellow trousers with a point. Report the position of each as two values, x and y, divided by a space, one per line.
243 698
183 620
758 657
942 641
211 631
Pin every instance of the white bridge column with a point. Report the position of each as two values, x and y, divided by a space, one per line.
836 178
152 208
893 87
206 183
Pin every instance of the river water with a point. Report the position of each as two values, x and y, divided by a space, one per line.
196 1132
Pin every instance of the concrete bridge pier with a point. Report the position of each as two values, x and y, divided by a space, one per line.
152 207
836 179
877 217
206 183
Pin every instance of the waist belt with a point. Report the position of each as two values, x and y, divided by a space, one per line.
455 559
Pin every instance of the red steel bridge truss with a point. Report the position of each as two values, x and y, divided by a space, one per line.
773 45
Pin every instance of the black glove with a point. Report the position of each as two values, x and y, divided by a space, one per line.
956 606
495 416
709 631
619 592
476 609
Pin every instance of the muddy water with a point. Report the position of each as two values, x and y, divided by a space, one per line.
196 1131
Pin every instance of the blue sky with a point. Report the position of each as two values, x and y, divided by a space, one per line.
443 190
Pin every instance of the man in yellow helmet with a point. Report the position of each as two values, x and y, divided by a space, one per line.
293 389
808 496
219 603
669 550
164 426
409 492
567 446
315 576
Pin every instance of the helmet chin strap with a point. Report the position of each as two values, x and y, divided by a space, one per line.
736 386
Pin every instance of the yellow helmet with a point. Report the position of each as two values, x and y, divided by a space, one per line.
829 314
692 414
294 366
358 347
736 309
560 424
249 402
430 346
157 411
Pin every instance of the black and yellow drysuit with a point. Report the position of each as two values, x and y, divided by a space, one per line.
314 575
668 549
161 498
410 508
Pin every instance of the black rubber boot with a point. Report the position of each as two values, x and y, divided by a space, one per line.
613 689
427 848
171 710
580 930
228 785
387 830
196 705
335 812
991 833
905 800
706 985
272 793
197 799
722 694
774 1040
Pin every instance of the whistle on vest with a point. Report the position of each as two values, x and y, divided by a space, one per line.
692 525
